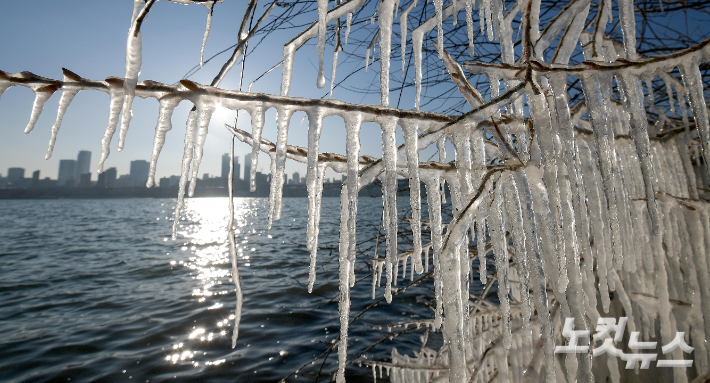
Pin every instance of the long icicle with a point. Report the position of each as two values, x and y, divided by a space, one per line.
694 82
500 244
283 118
133 68
385 10
257 125
68 93
403 31
233 249
434 202
115 91
597 98
344 268
322 12
389 198
315 124
185 171
210 7
411 146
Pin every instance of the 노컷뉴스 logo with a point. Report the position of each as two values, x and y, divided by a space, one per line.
604 328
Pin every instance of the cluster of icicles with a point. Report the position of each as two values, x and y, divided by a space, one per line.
572 202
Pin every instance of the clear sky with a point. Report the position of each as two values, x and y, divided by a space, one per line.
89 37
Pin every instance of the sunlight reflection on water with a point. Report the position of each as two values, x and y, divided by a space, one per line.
204 230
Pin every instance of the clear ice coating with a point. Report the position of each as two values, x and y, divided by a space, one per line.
576 203
133 68
210 7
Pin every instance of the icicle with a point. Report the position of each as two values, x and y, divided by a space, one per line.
133 68
349 20
669 90
516 223
628 27
433 188
257 125
41 96
343 283
314 181
322 12
377 264
167 105
548 191
597 97
494 82
68 93
385 9
204 115
411 145
438 7
315 218
489 17
441 148
450 263
469 25
595 204
417 41
649 92
115 91
233 250
332 73
389 197
352 149
185 171
687 167
500 252
403 31
694 83
481 248
209 5
639 133
277 178
497 16
537 272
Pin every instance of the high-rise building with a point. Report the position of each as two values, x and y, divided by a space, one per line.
15 174
67 169
225 166
111 174
35 177
296 178
83 165
85 180
139 172
101 181
174 181
247 167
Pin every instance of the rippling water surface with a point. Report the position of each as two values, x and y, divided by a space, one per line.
95 290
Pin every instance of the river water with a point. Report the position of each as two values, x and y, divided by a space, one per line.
95 290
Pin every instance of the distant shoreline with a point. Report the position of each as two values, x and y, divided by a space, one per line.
329 190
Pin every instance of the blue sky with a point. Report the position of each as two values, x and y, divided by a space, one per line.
89 36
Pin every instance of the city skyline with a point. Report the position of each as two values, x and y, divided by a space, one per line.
73 173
